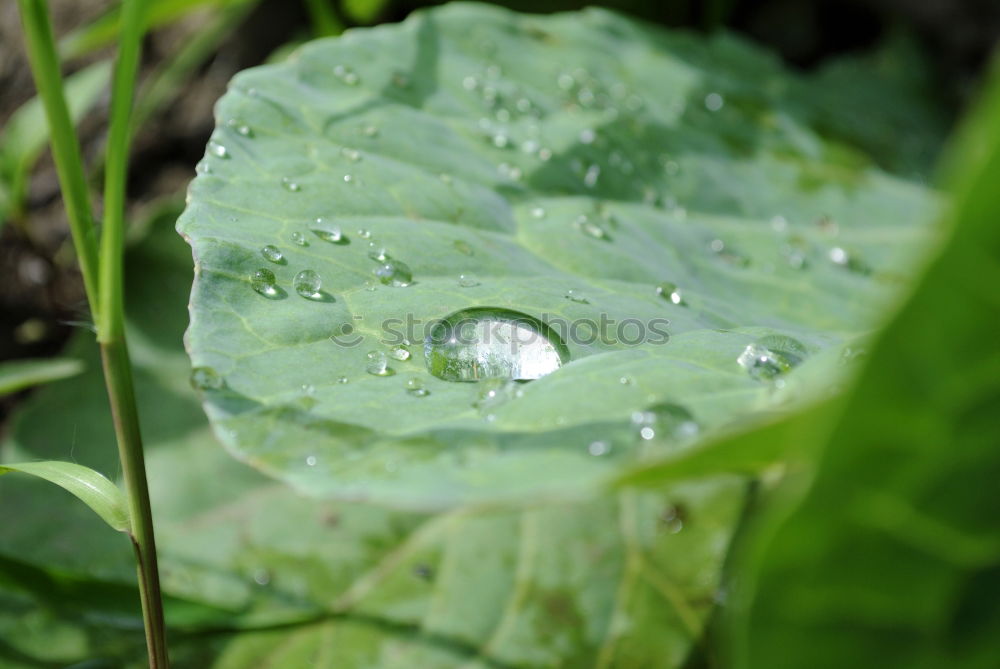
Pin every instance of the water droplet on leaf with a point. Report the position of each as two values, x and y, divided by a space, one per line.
205 378
394 273
263 282
272 253
378 364
771 356
308 284
486 343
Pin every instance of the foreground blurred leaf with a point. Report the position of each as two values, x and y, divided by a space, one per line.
572 163
894 552
252 570
90 487
20 374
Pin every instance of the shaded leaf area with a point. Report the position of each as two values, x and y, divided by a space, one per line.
256 575
892 551
543 155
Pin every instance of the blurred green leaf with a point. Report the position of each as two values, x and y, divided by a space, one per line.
92 488
893 552
104 30
20 374
572 164
26 133
364 11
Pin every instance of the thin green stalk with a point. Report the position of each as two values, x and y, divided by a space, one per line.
110 324
65 147
111 331
103 276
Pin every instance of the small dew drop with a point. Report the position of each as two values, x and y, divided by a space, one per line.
590 228
311 461
364 234
394 273
838 256
261 576
299 239
272 253
290 185
343 380
328 233
669 291
308 284
347 75
205 378
597 448
771 356
467 281
592 175
378 364
217 150
377 252
263 281
416 388
665 421
400 353
351 154
538 212
576 296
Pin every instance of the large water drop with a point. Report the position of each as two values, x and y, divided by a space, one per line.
487 343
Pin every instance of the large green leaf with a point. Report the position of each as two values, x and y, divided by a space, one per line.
578 152
252 570
893 552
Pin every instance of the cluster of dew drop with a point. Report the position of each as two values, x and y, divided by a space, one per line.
501 372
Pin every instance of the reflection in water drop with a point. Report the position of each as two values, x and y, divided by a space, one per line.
400 353
771 356
486 343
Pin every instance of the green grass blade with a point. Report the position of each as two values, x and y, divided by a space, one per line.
19 374
90 487
110 323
